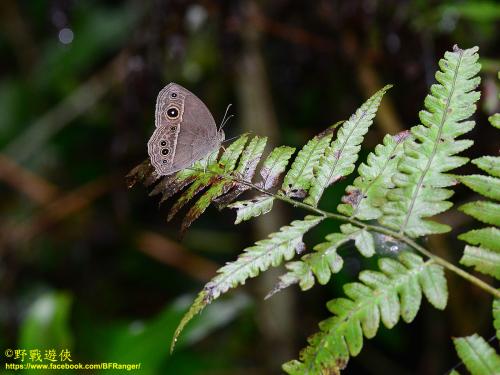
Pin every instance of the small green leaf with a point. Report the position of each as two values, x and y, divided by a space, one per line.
367 194
477 355
489 164
274 165
495 120
434 286
484 237
198 304
364 243
484 185
250 157
298 179
483 260
245 210
230 156
487 212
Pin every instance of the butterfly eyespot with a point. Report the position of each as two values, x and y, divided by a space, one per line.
165 151
164 161
173 95
163 143
172 113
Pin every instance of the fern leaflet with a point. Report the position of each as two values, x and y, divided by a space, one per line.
274 165
366 196
485 255
340 157
386 295
271 252
421 180
478 356
298 179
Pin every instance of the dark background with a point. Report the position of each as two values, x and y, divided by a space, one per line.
88 265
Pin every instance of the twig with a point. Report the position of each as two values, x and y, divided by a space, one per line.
33 186
174 255
58 210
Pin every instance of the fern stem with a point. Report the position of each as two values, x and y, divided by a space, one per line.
374 228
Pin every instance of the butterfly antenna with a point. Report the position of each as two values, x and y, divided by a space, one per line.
230 139
225 119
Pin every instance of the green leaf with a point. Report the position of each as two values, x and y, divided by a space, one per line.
362 239
340 157
496 316
47 322
483 260
230 156
232 189
489 164
477 355
495 120
487 212
484 237
245 210
380 296
367 194
325 260
271 252
274 165
298 179
422 176
250 157
484 185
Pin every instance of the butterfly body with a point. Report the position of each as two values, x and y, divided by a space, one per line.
185 131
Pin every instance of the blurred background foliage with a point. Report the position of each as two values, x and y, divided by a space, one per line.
89 266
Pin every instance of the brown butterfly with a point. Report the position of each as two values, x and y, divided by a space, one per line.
185 131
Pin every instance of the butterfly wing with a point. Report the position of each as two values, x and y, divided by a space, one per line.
185 131
198 134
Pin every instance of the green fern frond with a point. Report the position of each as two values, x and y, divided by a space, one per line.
367 194
298 179
479 357
325 260
271 252
484 255
274 165
340 157
396 291
421 176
